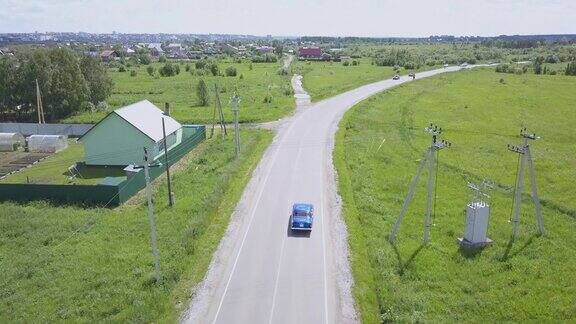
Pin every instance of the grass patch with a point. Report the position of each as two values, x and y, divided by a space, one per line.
180 92
378 147
326 79
92 265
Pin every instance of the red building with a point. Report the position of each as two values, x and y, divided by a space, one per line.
310 53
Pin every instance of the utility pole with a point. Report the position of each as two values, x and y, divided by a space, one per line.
526 158
218 110
429 156
39 107
235 109
170 193
152 224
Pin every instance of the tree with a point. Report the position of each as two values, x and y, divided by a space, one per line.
231 71
8 83
168 70
68 92
570 69
150 70
67 83
202 93
99 82
538 65
144 58
278 49
214 69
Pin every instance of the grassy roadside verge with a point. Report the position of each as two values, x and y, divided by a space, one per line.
365 296
378 147
65 263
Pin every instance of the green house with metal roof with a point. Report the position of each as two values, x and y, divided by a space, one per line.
120 137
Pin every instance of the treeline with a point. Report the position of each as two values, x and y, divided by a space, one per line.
418 56
68 83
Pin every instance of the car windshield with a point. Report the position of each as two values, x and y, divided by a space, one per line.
301 214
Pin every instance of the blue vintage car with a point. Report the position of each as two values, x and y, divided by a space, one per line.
302 217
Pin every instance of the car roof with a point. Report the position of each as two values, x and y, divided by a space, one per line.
301 207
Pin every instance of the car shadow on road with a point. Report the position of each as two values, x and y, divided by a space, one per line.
293 233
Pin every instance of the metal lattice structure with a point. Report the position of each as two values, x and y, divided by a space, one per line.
430 157
525 158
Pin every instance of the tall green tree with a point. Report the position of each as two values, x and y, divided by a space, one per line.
68 90
202 93
99 82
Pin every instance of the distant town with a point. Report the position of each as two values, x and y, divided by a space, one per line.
195 46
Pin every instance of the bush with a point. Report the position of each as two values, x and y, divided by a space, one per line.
144 59
346 63
102 106
250 67
202 93
267 99
214 69
355 63
133 73
231 71
169 70
570 69
241 76
150 70
162 59
288 91
266 58
187 68
122 68
200 64
503 68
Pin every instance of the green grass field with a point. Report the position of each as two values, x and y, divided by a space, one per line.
55 169
325 79
180 92
70 264
378 147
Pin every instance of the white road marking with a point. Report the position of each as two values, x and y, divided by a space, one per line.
323 240
251 219
298 153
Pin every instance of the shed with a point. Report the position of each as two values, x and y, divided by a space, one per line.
47 143
120 137
10 141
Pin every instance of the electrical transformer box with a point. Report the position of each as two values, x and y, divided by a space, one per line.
477 214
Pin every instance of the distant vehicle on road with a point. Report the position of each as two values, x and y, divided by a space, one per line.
446 65
412 75
464 65
396 77
302 217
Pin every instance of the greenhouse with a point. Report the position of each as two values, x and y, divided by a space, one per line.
10 141
47 143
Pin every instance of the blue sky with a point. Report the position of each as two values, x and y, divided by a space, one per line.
378 18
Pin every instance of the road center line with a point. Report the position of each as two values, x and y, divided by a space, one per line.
259 197
298 154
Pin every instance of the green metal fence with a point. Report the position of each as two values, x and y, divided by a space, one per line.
103 195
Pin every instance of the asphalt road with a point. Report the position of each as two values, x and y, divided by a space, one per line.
270 275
